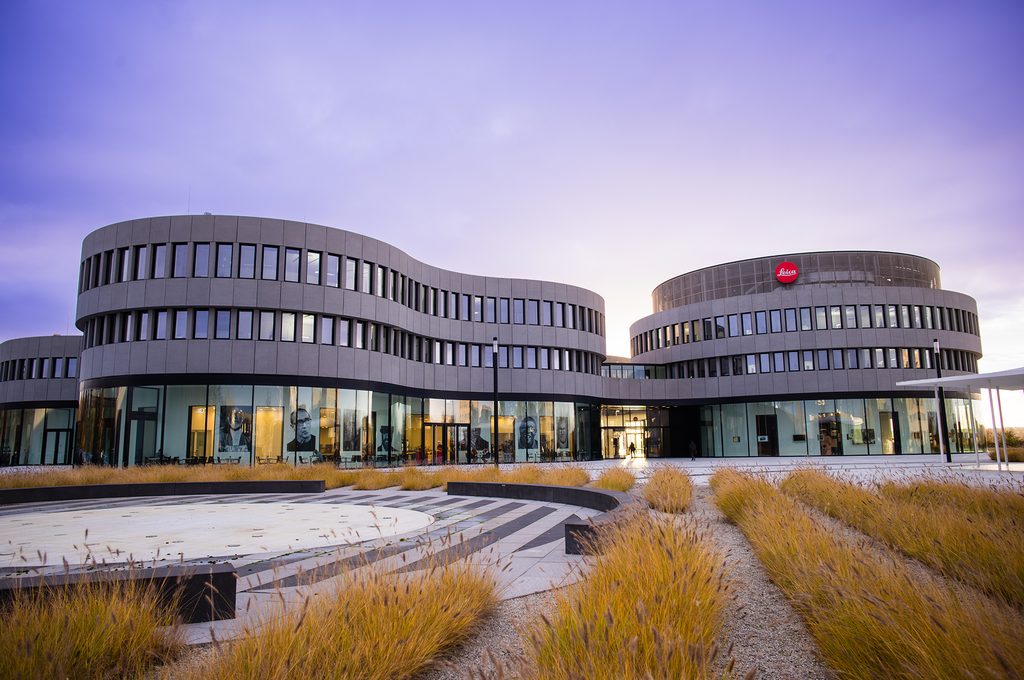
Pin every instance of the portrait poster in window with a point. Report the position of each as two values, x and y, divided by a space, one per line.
235 431
526 439
562 435
350 430
303 428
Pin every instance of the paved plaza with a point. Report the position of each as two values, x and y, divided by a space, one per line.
290 545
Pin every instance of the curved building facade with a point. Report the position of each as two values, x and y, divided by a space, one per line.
223 339
807 362
217 338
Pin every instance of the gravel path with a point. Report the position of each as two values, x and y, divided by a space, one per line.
766 633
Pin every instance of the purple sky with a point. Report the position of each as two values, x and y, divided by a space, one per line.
608 145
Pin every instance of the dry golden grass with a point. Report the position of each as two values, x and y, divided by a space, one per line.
871 615
651 607
616 479
101 631
943 525
92 474
997 502
371 625
1014 454
669 489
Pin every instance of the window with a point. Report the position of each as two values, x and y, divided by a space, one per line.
545 313
894 321
350 274
917 358
312 268
751 364
474 356
820 319
865 358
570 317
180 324
464 312
478 311
808 356
223 260
765 359
393 293
243 329
366 285
822 359
836 313
779 362
222 330
382 282
72 367
837 359
140 263
791 320
462 354
761 322
308 327
142 326
879 358
794 361
246 261
719 328
917 316
488 356
879 316
905 316
502 356
291 264
288 326
892 358
851 358
333 278
805 319
56 367
201 324
125 259
545 357
746 321
269 263
928 317
327 330
518 312
358 339
517 357
160 332
560 314
491 305
344 339
865 316
159 261
266 325
201 266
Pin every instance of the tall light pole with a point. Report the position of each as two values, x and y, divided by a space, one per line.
941 398
494 411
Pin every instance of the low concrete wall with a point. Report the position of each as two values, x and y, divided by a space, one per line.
205 592
42 494
579 536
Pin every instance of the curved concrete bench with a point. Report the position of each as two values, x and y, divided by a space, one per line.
43 494
579 536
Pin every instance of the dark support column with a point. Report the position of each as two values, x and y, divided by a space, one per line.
494 412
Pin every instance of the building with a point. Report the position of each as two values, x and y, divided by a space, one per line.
247 340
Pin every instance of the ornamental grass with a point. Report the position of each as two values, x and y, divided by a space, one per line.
974 535
616 479
105 630
669 489
652 606
369 625
871 615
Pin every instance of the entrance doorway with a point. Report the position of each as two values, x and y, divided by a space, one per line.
446 444
830 437
889 424
767 435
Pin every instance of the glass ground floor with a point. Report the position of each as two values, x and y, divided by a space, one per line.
258 424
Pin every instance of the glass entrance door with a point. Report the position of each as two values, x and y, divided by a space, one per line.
447 444
57 446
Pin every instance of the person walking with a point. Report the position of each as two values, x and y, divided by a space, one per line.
693 450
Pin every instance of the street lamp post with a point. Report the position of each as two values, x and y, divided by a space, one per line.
494 408
941 398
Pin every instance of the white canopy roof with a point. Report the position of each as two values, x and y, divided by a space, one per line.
1012 379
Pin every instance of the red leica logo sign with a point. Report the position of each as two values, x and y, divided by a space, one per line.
786 272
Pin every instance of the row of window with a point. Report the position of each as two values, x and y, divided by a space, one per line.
172 261
799 360
835 317
247 324
39 368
